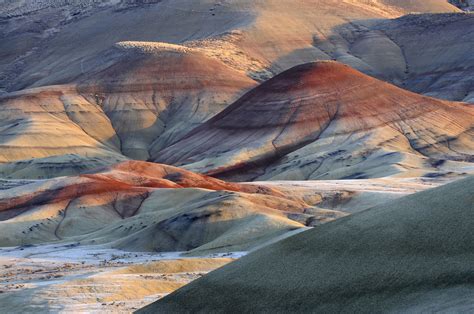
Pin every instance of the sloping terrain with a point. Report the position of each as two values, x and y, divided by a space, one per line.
325 120
309 104
403 51
240 33
90 279
87 83
467 5
440 68
153 93
432 6
55 43
351 196
141 97
141 206
409 255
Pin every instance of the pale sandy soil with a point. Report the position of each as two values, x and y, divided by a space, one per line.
73 279
411 255
354 195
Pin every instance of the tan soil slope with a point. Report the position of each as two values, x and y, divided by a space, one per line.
326 120
432 6
410 255
156 92
142 97
127 103
54 45
68 278
240 33
143 206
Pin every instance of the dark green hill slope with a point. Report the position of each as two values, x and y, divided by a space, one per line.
412 254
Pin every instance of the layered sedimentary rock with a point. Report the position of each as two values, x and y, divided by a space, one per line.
409 255
56 44
155 92
117 91
53 121
143 206
326 120
439 68
141 97
243 34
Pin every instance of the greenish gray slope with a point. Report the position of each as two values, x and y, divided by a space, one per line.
414 254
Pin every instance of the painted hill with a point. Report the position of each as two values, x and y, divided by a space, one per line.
243 34
325 120
141 206
140 97
153 93
110 90
410 255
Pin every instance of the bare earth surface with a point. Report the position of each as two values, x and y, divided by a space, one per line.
409 255
70 279
89 83
353 195
285 115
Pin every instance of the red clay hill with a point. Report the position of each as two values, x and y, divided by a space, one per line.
142 206
327 120
129 176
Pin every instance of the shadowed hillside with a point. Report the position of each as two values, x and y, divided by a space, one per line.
145 143
125 79
141 97
325 120
410 255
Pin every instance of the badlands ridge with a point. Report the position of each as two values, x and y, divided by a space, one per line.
325 120
329 140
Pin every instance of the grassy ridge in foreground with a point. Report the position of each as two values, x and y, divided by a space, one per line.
415 253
